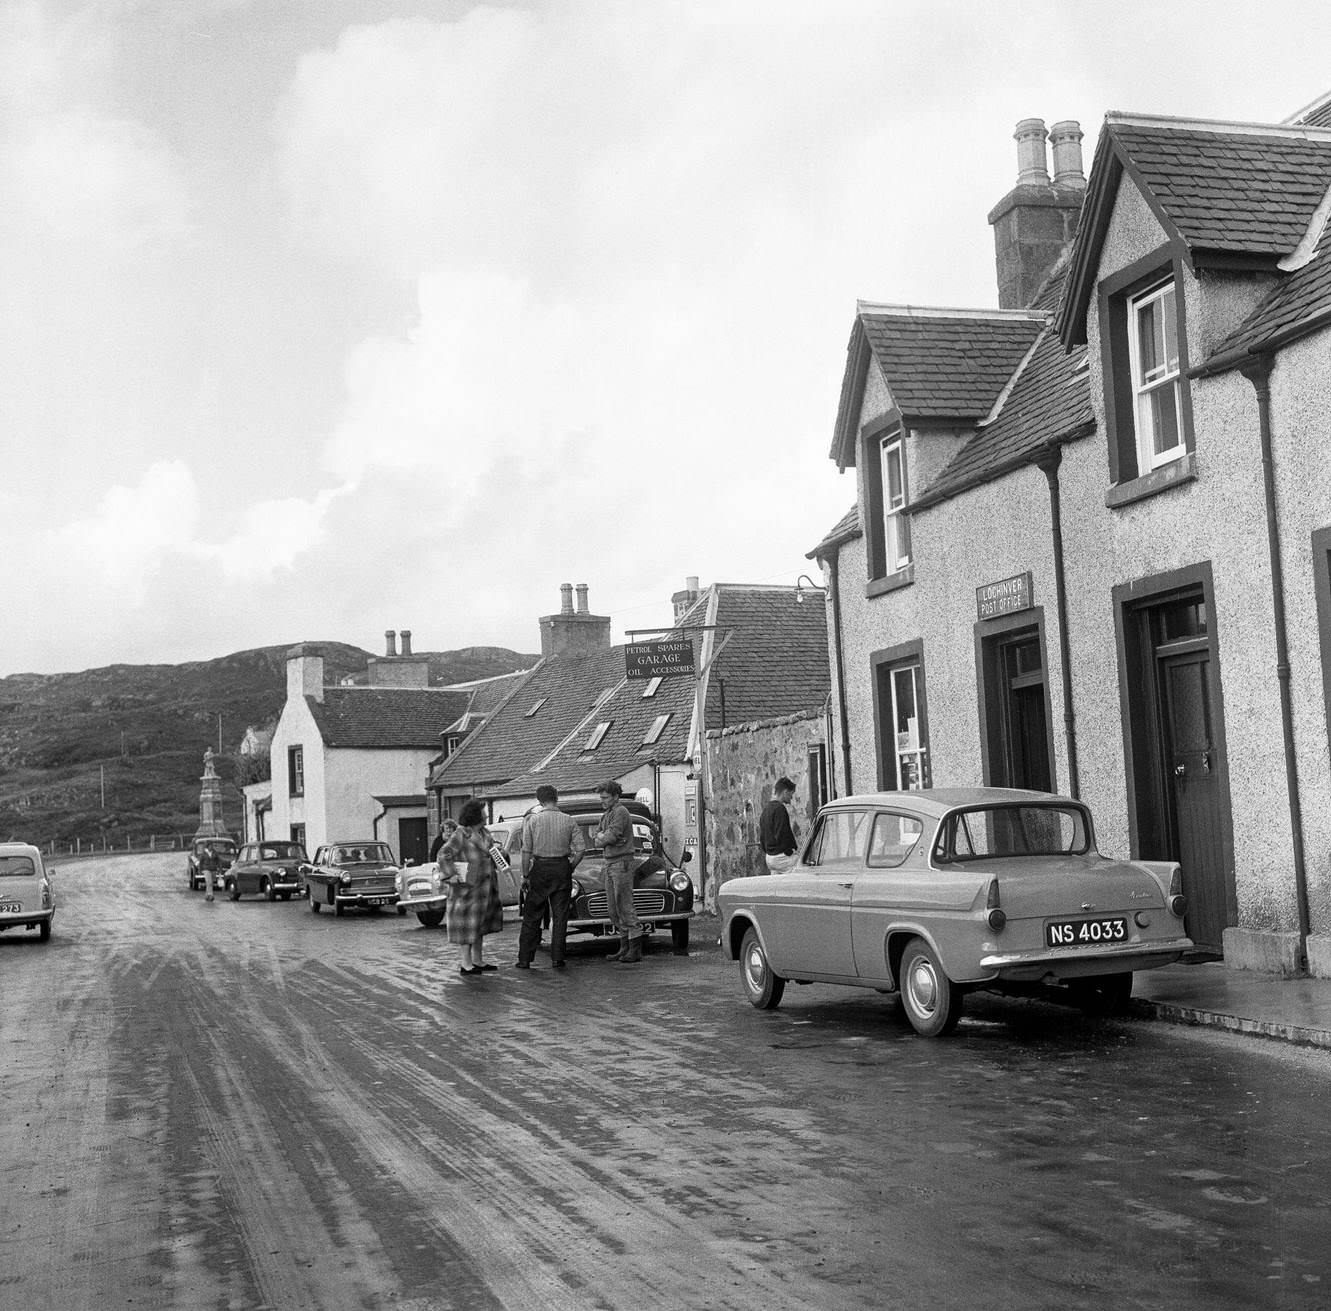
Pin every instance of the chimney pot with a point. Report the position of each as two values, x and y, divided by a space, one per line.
1065 140
565 598
582 598
390 641
406 641
1032 158
691 583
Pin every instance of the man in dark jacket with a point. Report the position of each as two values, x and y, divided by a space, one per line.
775 831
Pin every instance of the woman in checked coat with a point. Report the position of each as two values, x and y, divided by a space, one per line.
474 908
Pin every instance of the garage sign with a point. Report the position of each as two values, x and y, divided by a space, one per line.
668 658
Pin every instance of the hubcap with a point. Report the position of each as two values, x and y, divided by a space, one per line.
923 985
754 969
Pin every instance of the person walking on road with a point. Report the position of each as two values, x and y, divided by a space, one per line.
776 833
615 838
552 846
474 908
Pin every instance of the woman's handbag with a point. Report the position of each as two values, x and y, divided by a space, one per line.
461 872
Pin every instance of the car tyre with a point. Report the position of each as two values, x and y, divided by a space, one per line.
430 919
268 891
44 931
679 935
1103 994
314 905
335 904
286 896
233 889
762 987
930 999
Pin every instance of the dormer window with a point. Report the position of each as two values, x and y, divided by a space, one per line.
887 494
598 733
896 530
1154 361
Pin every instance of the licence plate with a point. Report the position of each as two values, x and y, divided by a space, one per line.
373 901
1085 933
10 908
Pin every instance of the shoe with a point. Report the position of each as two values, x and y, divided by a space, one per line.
487 967
522 964
558 965
469 969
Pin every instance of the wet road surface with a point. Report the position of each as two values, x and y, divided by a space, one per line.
248 1106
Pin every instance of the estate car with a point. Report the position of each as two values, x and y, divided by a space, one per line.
935 893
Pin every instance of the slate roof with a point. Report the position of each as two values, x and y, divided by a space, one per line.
776 662
846 529
939 364
1049 402
385 716
1317 114
1296 306
1233 193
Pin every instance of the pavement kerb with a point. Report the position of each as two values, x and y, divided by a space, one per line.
1200 1017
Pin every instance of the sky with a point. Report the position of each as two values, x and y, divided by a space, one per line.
325 317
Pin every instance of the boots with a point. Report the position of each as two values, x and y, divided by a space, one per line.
623 948
632 954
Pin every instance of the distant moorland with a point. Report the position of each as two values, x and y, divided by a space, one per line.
116 753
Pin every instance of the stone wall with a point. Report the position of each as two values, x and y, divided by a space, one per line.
742 764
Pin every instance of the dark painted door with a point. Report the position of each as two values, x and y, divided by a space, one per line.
1193 779
413 837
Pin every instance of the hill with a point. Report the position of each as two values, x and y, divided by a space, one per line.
115 753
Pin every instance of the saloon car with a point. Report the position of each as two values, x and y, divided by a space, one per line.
662 890
937 893
27 899
268 869
347 874
225 850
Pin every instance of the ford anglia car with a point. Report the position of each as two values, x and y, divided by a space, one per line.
346 874
269 869
936 893
27 899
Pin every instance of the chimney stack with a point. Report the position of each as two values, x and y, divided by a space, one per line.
406 641
390 642
568 633
1037 220
682 602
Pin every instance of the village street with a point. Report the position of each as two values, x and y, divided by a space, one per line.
246 1105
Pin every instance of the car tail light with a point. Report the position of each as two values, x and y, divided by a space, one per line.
1177 902
46 895
997 916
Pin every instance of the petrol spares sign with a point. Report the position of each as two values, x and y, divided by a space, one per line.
1004 597
668 658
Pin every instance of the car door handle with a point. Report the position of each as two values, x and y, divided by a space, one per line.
850 884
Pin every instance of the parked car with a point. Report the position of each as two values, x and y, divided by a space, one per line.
225 850
270 869
27 898
421 888
345 874
936 893
662 890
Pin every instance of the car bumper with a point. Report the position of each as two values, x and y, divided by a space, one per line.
650 923
355 897
417 901
27 919
1074 962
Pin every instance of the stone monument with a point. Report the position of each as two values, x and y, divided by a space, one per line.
211 824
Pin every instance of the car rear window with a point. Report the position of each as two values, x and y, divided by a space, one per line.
17 867
992 832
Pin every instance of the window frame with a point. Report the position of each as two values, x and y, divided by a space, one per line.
885 665
1166 377
889 566
880 862
1137 283
296 771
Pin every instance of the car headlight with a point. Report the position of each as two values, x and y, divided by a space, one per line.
436 881
575 890
345 880
680 882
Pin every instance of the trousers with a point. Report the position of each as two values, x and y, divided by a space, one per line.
619 894
549 883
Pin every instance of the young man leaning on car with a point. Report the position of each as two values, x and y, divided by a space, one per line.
775 830
615 838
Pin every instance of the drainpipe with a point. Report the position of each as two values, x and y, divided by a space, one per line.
834 587
1258 372
1049 461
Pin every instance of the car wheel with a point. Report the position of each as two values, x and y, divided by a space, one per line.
233 889
285 896
761 986
401 910
334 903
930 999
314 905
44 931
679 935
430 919
267 889
1102 994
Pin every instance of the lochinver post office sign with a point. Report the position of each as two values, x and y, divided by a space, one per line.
1004 597
668 658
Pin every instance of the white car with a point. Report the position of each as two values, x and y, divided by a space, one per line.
27 899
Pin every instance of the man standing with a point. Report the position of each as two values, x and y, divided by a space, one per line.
552 846
615 838
775 831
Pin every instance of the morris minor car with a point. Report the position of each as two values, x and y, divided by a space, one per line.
936 893
27 898
347 874
266 869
